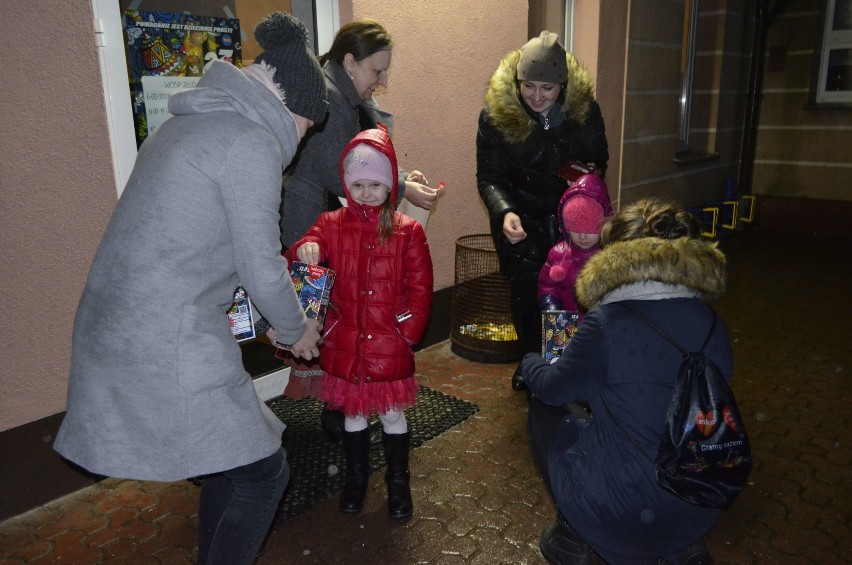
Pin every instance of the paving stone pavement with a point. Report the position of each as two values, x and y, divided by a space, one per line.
478 498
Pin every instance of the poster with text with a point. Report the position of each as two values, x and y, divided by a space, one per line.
167 53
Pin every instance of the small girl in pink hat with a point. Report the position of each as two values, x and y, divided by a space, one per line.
582 212
382 298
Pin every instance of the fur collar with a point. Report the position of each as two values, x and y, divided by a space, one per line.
502 99
684 266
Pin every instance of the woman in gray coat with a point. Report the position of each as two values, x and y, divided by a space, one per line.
157 389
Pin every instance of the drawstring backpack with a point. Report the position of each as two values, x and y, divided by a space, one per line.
704 456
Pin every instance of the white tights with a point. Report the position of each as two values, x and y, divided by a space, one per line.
393 422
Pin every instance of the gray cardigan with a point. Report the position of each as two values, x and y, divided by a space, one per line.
157 388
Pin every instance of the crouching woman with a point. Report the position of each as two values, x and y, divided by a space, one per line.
605 491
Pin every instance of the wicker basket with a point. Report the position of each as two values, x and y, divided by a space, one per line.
481 327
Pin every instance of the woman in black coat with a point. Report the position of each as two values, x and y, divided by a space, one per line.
604 489
540 112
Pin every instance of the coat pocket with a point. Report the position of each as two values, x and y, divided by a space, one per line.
407 341
208 355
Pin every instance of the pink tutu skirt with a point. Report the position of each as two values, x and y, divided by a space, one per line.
362 399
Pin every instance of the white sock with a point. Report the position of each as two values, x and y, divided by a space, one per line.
393 422
354 423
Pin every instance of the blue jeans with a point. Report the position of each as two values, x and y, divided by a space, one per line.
236 510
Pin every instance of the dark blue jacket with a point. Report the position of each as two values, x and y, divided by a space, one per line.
601 484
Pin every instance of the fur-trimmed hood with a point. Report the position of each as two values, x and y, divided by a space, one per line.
691 263
502 99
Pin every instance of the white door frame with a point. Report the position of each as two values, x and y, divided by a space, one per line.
110 40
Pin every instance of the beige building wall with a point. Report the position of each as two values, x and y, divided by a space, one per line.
803 150
600 44
445 52
57 189
655 39
57 192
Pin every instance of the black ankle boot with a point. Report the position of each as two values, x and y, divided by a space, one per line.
560 544
518 380
356 446
397 476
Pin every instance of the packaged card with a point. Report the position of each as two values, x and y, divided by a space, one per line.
313 285
241 316
557 329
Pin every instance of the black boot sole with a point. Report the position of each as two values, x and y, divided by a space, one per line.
351 510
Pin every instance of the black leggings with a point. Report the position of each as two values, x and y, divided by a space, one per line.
526 315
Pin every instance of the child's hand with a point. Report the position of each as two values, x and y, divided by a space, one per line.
309 253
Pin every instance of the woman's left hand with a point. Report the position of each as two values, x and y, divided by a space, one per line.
417 176
418 191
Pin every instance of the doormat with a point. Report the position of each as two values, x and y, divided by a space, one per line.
317 462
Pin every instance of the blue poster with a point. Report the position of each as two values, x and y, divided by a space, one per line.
167 53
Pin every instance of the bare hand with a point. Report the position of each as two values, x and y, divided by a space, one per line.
308 345
512 228
417 176
420 195
418 191
309 253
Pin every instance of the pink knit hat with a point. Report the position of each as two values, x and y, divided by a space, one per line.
364 162
583 214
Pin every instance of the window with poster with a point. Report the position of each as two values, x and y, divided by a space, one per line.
168 60
168 52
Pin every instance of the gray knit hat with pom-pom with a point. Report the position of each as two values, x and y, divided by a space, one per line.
284 40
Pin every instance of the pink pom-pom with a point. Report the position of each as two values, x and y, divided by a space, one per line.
557 273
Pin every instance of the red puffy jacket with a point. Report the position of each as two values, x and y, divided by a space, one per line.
374 285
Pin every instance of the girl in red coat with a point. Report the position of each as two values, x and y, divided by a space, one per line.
381 302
